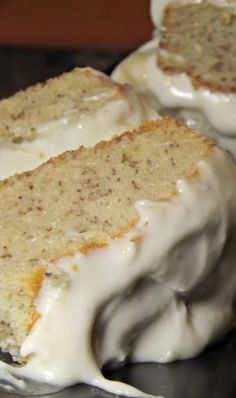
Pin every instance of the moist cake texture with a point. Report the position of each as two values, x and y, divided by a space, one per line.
199 39
80 201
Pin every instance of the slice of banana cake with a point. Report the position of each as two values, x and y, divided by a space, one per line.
85 229
189 65
80 107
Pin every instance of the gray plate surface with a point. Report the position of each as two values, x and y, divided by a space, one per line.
211 375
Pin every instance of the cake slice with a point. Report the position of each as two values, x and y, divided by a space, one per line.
145 219
207 53
77 108
189 65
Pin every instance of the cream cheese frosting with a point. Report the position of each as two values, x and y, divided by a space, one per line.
174 93
119 114
129 293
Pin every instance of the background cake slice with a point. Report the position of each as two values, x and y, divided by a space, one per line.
83 232
207 52
78 108
189 65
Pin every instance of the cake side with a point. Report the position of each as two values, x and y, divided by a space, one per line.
79 201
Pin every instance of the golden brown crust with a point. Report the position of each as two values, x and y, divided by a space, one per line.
92 245
32 284
122 232
33 281
34 318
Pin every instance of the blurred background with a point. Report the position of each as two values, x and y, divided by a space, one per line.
43 38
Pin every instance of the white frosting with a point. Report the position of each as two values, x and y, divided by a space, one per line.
118 115
177 92
163 298
158 7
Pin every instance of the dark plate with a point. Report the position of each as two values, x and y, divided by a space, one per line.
211 375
